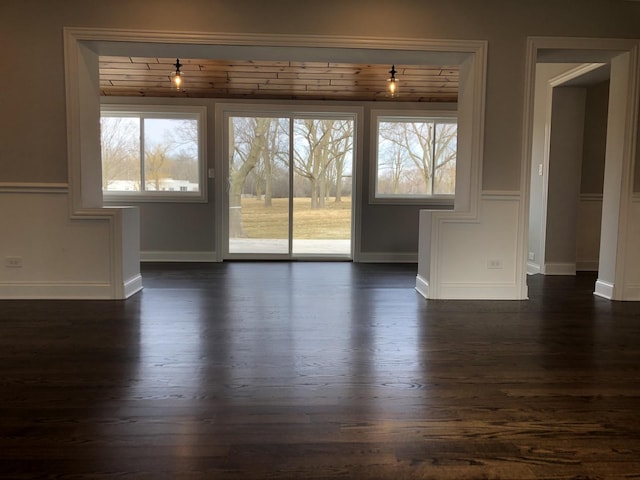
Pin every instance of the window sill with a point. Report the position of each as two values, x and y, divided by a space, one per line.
117 199
435 203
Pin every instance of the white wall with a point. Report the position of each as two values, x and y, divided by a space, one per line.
65 257
632 270
476 257
565 164
594 149
595 138
588 232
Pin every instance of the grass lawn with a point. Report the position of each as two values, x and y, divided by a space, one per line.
331 222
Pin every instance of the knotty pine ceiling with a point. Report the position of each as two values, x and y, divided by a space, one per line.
204 78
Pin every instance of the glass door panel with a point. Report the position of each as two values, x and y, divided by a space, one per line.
259 188
322 179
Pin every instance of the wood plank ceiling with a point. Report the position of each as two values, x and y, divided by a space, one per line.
204 78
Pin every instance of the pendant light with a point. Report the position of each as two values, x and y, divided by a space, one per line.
392 82
176 77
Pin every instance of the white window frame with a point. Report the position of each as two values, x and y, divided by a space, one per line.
436 201
164 112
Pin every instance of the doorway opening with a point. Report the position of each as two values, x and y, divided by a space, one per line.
568 156
581 111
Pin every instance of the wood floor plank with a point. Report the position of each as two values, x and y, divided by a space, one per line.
280 370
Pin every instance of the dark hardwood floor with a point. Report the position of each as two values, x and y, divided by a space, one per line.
319 371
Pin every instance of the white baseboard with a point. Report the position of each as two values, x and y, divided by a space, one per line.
533 268
422 286
132 286
632 293
55 291
556 268
384 257
177 256
480 291
587 266
604 289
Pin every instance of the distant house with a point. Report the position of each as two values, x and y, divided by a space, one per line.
166 185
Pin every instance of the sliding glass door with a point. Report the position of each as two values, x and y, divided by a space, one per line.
290 185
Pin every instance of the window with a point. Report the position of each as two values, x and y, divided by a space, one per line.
415 159
152 153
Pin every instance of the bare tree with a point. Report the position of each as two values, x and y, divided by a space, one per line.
393 157
319 142
275 154
418 140
445 158
185 133
156 165
120 148
247 142
184 167
418 157
342 148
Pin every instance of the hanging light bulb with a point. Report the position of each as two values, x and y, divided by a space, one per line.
392 82
176 77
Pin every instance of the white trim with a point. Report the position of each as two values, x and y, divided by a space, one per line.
177 256
587 266
480 291
269 40
574 73
56 290
605 45
388 257
478 85
632 292
546 168
630 142
533 268
19 187
499 195
604 290
132 286
591 197
220 182
558 268
357 186
425 202
422 286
